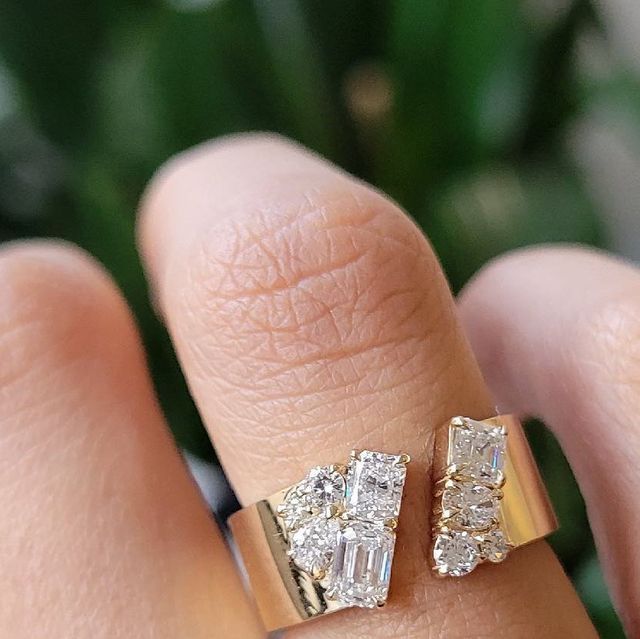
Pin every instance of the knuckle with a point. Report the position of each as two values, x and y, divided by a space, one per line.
302 281
326 293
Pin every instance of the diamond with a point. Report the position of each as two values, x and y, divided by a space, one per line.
374 486
293 510
494 546
312 545
322 489
470 506
362 565
455 553
478 450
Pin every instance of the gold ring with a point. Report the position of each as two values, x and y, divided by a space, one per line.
325 543
489 497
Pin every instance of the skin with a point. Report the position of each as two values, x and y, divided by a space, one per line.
310 317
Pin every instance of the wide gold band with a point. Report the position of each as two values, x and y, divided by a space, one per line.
306 558
523 510
284 596
526 513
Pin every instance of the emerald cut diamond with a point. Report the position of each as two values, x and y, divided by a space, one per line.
361 566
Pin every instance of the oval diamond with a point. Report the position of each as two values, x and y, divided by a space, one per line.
455 553
470 506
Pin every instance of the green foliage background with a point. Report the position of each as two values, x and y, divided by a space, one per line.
459 109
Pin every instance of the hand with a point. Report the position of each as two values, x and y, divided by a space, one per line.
310 316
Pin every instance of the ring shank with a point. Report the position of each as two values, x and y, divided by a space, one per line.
286 595
526 513
283 594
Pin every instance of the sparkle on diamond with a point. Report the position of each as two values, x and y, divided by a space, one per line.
455 553
494 546
374 486
479 449
312 545
361 566
322 488
470 506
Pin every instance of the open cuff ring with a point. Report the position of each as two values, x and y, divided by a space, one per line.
325 543
488 498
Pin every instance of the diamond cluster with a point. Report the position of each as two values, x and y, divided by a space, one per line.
339 522
467 529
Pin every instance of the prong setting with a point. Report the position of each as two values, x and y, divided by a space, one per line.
345 513
467 497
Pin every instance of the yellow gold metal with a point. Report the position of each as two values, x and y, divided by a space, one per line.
526 513
391 523
284 594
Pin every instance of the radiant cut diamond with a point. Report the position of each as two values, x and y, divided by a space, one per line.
455 553
470 506
312 545
374 486
362 565
494 546
322 489
478 450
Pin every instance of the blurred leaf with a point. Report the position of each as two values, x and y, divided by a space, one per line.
593 590
555 93
299 71
212 73
462 75
573 539
52 48
479 217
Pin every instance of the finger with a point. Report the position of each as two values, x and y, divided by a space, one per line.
558 332
311 317
102 534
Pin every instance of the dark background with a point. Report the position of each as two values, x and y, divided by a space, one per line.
495 123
